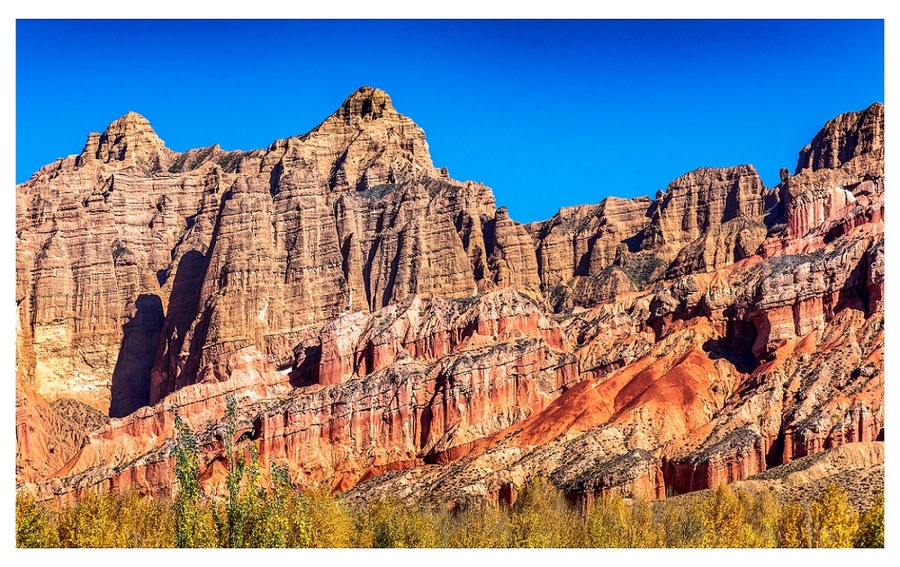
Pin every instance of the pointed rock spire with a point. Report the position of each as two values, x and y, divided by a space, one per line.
130 139
367 103
376 144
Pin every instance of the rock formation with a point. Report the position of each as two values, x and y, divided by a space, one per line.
384 329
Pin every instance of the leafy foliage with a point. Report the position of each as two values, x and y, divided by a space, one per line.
111 520
254 516
389 523
194 524
833 520
793 528
612 523
541 517
871 525
33 526
486 527
280 515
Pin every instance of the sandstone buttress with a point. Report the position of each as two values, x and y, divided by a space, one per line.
370 314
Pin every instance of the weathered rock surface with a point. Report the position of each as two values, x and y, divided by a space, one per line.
706 219
387 330
239 248
431 376
424 328
840 175
844 138
858 468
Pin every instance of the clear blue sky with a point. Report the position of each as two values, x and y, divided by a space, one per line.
546 113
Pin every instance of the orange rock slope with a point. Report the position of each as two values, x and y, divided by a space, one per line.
385 329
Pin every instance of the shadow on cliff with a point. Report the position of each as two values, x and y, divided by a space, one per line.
131 376
180 314
736 346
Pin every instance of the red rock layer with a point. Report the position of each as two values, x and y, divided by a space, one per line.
213 251
504 367
697 340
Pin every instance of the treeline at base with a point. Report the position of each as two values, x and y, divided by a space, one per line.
250 515
541 517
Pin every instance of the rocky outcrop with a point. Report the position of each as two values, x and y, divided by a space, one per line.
384 329
135 452
421 327
449 374
129 141
48 435
700 201
94 241
839 176
582 240
856 467
351 216
511 257
706 219
725 244
844 138
818 393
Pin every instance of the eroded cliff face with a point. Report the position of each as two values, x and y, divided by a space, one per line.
371 316
131 255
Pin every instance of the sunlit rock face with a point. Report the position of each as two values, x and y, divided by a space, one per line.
384 329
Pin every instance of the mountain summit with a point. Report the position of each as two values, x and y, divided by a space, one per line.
367 313
366 103
129 140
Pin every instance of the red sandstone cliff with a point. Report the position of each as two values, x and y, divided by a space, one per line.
369 314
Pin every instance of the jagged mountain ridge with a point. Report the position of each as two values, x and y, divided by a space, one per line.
154 215
353 219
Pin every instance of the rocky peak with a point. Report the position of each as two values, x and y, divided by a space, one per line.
371 143
130 140
366 104
701 200
845 137
840 175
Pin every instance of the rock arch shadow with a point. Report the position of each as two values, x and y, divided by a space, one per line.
140 338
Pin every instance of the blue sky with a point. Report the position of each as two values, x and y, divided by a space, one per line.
546 113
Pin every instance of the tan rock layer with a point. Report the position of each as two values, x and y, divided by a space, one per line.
717 342
351 216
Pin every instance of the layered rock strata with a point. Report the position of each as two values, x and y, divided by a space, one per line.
384 327
212 251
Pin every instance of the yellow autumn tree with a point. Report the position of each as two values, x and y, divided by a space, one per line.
833 521
871 525
34 525
793 526
726 518
541 517
475 527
